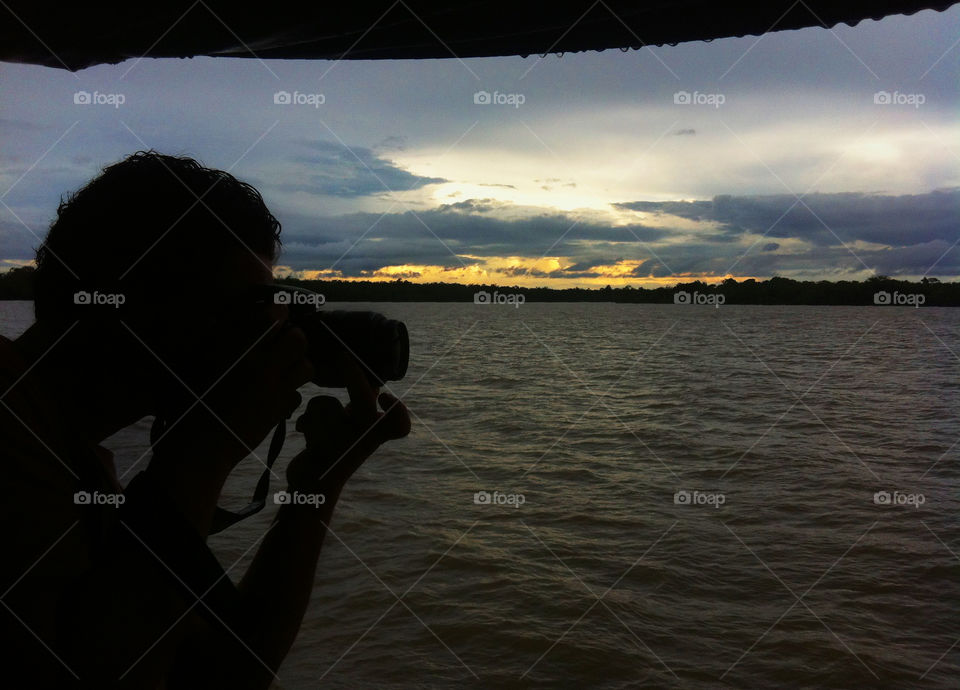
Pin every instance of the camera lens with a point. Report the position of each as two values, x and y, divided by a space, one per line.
381 345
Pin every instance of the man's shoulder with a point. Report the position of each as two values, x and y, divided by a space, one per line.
39 477
33 445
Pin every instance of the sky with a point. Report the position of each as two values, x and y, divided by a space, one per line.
811 154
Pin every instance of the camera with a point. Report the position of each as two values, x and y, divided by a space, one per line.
381 345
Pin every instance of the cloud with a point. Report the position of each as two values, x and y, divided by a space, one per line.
474 205
332 169
615 130
442 236
825 219
716 238
479 240
548 184
392 143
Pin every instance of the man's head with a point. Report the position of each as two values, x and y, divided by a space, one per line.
179 242
148 225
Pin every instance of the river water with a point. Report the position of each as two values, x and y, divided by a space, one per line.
641 496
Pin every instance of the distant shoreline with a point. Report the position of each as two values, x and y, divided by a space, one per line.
17 284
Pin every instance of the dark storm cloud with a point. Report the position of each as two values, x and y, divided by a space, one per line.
919 232
598 267
331 169
903 220
434 236
930 258
474 205
938 258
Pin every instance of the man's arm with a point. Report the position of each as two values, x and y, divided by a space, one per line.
122 622
275 592
127 620
276 588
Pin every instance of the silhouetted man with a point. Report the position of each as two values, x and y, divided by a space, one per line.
100 584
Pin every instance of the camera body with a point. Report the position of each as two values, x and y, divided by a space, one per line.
379 344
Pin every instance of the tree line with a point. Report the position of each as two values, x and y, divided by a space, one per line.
17 284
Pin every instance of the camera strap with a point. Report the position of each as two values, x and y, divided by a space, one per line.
223 518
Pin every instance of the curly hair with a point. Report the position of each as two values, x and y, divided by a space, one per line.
144 224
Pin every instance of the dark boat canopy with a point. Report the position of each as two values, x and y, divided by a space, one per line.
76 35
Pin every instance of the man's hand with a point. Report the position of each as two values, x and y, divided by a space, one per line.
340 438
